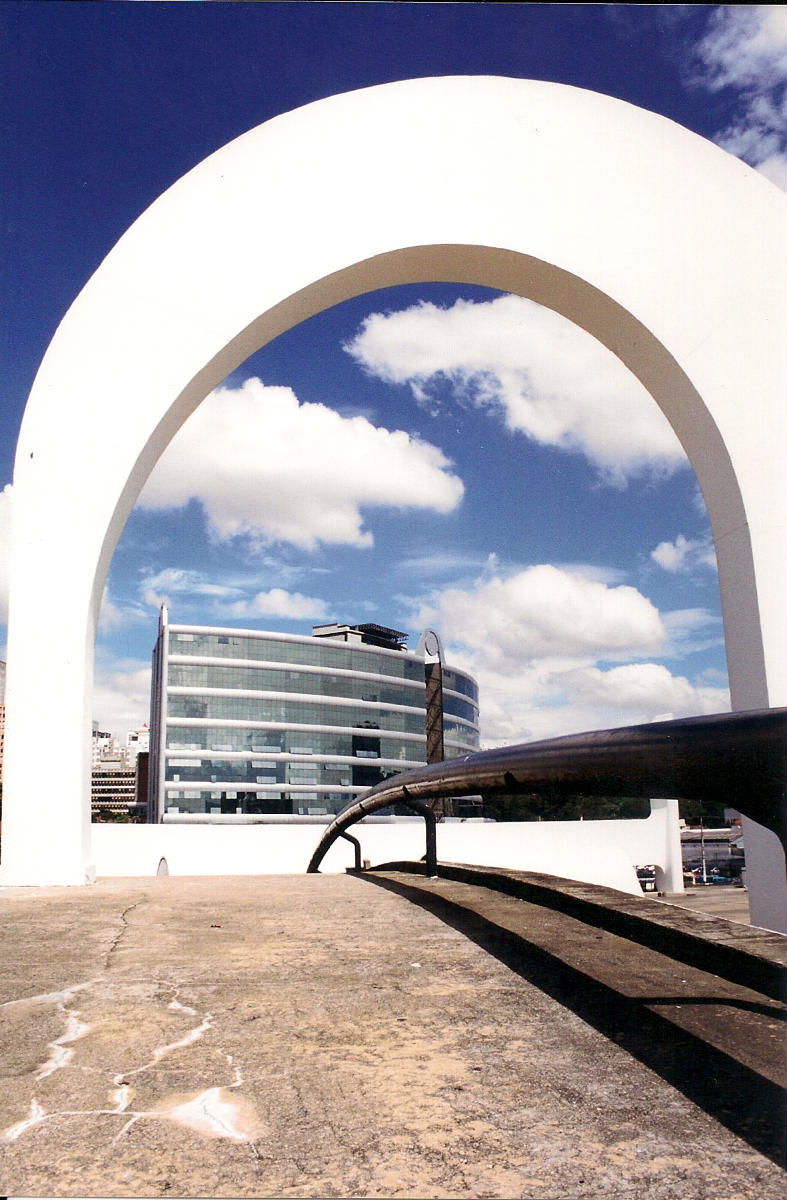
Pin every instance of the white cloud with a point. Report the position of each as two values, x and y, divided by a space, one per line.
111 616
539 643
595 571
121 696
120 615
442 562
636 693
684 555
544 612
267 467
745 48
685 622
180 580
546 377
690 630
228 599
159 588
280 603
774 168
5 549
542 701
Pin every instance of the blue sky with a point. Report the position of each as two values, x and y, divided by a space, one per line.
472 461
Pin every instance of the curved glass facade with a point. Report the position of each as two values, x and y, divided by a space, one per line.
292 724
293 712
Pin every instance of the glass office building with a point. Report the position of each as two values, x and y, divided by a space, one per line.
251 722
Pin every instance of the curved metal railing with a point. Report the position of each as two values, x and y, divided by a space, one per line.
737 758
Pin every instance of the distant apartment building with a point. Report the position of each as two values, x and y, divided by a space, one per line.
119 774
248 722
113 791
137 741
102 746
106 747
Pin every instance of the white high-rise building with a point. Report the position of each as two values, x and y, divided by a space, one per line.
256 722
137 741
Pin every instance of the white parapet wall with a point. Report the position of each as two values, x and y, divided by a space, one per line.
602 852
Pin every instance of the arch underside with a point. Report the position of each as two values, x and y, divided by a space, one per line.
555 288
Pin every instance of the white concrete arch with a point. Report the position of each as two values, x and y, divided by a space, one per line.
663 246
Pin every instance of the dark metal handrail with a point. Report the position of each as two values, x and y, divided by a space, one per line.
738 758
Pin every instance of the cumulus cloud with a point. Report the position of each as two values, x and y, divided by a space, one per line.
684 554
690 630
111 616
542 643
264 466
5 549
277 602
745 48
545 612
541 374
159 588
640 692
228 599
553 704
121 696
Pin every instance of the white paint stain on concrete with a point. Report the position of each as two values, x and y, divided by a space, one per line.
37 1114
178 1007
162 1051
133 1120
210 1113
61 998
121 1094
192 1036
61 1051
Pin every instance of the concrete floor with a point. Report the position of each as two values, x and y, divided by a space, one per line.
732 903
323 1036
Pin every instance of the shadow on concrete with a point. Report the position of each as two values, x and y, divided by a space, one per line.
751 1106
764 1010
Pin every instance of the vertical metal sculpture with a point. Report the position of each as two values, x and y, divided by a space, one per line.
432 649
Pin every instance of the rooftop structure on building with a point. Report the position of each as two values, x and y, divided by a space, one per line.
368 635
138 739
259 723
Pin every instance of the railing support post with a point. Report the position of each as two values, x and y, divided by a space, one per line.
428 814
431 844
348 837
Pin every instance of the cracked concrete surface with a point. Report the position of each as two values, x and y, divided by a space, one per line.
317 1036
